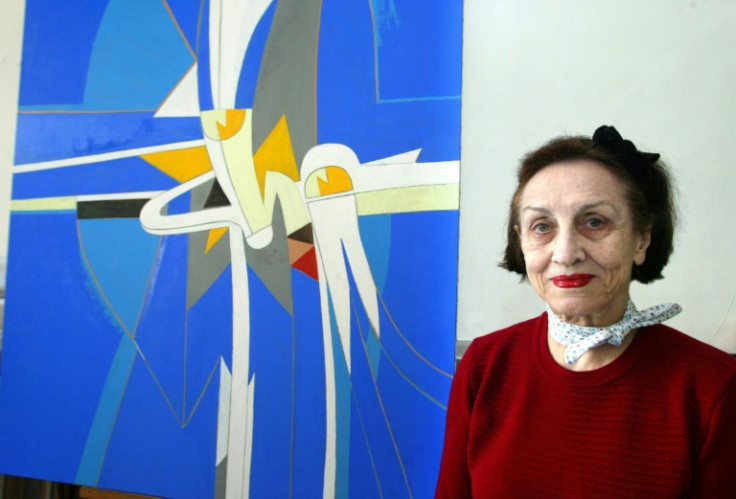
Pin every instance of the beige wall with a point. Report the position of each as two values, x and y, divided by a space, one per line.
11 32
662 72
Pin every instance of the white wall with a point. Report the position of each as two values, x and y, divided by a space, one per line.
11 31
663 72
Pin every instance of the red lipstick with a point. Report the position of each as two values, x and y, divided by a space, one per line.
572 281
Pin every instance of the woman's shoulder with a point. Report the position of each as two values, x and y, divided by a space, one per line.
503 354
517 336
683 353
688 345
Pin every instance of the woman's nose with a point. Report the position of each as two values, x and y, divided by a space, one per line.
568 247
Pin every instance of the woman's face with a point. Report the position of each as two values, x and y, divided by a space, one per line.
578 241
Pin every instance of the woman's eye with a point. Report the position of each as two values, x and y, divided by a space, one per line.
594 223
541 228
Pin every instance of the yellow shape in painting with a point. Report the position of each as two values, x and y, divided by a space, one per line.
234 119
311 186
214 236
210 122
275 154
255 193
181 164
44 204
221 124
328 180
338 181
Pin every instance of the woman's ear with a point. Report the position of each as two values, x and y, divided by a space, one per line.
645 239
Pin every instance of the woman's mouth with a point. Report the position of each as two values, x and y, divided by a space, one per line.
572 281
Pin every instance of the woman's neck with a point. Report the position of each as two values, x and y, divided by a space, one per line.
593 359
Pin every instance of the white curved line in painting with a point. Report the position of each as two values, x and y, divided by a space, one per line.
240 408
332 211
335 221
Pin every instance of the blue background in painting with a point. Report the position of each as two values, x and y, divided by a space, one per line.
125 55
406 384
271 360
427 114
122 175
138 56
58 344
46 137
57 43
419 48
61 340
349 110
309 389
209 335
161 333
174 458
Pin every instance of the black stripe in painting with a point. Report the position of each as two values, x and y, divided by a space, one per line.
109 208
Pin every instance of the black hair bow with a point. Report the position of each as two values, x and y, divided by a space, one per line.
637 162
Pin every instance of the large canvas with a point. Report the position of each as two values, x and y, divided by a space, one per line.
233 246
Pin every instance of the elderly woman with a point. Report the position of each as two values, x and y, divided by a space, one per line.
592 398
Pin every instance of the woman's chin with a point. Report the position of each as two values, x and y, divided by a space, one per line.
574 304
586 310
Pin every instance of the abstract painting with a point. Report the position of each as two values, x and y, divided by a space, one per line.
233 248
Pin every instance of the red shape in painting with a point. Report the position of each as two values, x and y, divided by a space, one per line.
308 264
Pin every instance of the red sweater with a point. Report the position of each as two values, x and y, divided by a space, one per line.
659 421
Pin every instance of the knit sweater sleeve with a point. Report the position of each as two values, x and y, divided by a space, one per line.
454 476
715 474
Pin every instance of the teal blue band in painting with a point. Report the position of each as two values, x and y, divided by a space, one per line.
90 465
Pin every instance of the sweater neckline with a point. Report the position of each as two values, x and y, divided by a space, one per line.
552 370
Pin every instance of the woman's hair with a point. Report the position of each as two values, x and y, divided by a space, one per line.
648 191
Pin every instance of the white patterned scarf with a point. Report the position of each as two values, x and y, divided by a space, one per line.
580 339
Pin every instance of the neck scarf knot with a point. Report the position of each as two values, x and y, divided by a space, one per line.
580 339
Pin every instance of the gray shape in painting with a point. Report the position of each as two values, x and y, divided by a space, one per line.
204 267
286 82
271 264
